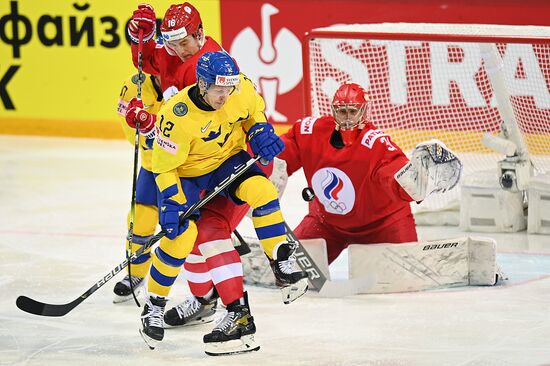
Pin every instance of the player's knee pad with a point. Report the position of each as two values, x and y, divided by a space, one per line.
256 191
145 219
182 245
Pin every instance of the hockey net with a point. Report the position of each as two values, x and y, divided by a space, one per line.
434 81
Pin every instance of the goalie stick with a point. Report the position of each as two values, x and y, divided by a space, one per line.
326 287
44 309
322 284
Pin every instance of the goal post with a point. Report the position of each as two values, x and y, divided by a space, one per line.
454 82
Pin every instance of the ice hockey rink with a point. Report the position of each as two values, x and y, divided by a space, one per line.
63 204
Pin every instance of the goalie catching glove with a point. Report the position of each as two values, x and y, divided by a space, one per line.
432 168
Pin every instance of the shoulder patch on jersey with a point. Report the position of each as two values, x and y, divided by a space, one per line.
165 143
135 78
371 136
306 126
180 109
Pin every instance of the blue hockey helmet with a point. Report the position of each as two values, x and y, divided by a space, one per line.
217 68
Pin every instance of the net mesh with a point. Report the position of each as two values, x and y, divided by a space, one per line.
423 89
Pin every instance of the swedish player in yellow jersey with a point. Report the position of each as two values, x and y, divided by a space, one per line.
201 139
146 212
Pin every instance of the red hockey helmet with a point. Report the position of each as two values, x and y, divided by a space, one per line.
349 108
179 21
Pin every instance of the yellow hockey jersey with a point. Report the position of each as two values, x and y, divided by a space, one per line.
152 101
195 142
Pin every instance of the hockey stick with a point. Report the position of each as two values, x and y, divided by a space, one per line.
326 287
130 237
40 308
243 248
306 262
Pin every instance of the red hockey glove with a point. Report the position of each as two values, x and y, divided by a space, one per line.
135 112
143 18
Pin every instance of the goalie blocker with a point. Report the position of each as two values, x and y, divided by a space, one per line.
405 267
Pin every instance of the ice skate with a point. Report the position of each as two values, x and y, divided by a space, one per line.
234 333
152 331
192 311
122 289
289 277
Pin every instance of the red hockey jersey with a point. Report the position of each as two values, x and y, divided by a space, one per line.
172 71
355 189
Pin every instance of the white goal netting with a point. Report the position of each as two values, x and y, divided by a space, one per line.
433 81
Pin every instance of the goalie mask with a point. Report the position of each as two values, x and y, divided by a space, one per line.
349 108
180 21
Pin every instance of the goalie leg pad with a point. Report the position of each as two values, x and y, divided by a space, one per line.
429 265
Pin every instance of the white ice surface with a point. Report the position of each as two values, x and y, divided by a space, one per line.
63 204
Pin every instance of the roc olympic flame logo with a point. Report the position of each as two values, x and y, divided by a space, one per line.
332 186
334 190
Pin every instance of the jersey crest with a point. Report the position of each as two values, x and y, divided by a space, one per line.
180 109
334 189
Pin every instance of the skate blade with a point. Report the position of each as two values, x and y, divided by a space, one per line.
151 343
117 299
202 320
243 345
294 291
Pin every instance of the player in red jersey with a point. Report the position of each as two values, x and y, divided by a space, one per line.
363 182
183 40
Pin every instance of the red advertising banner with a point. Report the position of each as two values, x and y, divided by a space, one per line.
265 36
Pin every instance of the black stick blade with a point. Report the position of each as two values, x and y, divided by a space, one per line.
39 308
